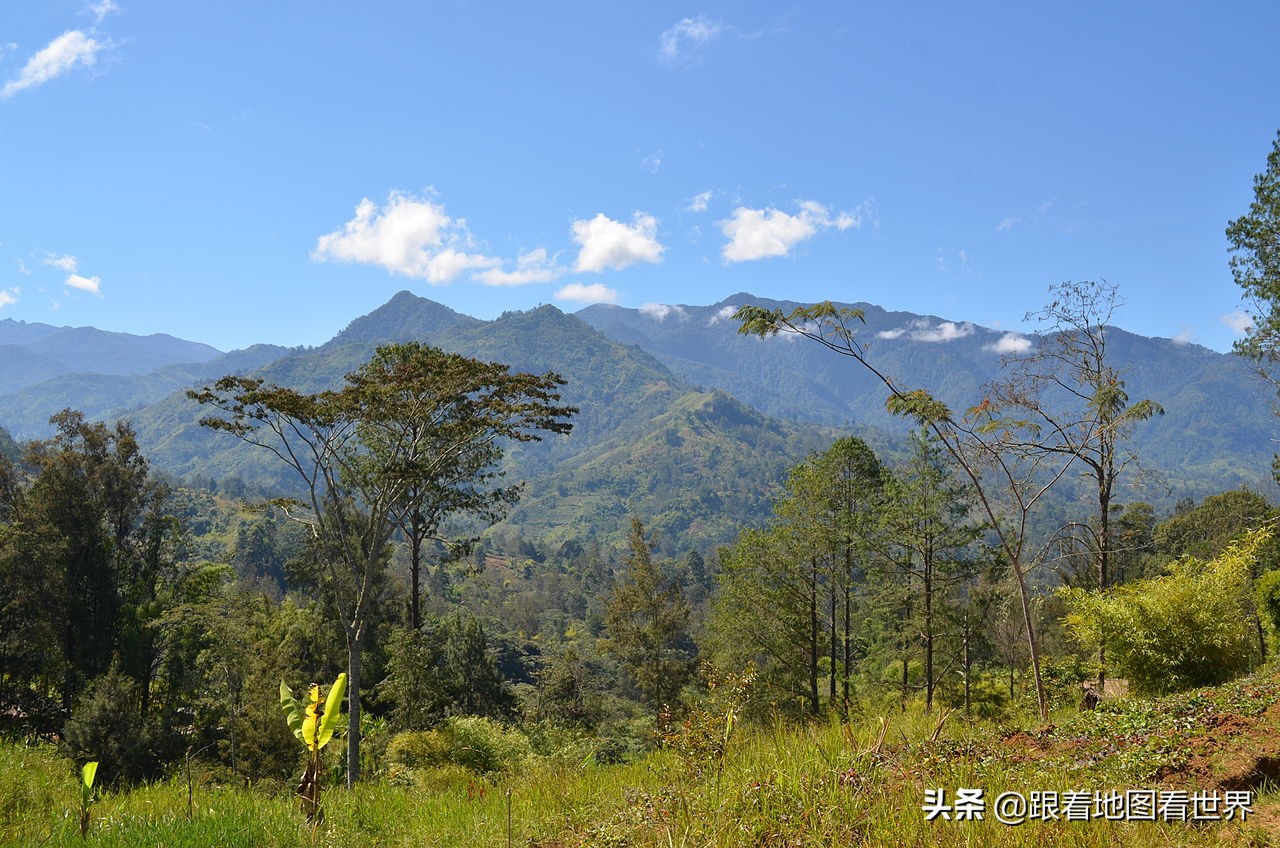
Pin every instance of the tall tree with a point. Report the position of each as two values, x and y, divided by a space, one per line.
648 625
929 531
767 612
361 451
833 502
1068 400
1255 263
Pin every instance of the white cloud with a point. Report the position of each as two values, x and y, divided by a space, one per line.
684 35
921 330
763 233
103 8
57 58
607 243
66 263
660 311
699 202
594 293
1007 224
89 284
1239 321
8 297
1187 336
724 314
23 269
409 236
651 163
944 332
1011 343
531 267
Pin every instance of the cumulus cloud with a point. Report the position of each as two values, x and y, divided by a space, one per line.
685 35
409 236
1187 336
1239 321
763 233
89 284
699 202
7 297
921 330
606 243
57 58
1011 343
1007 224
661 311
723 314
651 163
531 267
66 263
594 293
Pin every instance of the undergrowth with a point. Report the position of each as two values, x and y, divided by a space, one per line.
823 784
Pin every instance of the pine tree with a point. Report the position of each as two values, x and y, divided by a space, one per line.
647 619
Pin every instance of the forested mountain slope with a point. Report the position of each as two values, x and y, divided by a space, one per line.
1216 433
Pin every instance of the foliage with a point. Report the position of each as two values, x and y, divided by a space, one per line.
701 736
107 726
1255 263
1205 530
313 724
1266 594
88 772
567 693
1170 633
472 742
447 668
647 622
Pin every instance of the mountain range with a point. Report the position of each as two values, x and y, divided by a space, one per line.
682 421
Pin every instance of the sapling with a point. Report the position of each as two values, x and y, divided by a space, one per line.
87 773
313 725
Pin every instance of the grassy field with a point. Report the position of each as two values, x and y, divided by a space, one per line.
826 784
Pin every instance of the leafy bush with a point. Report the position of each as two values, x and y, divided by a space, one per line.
479 744
1188 629
106 726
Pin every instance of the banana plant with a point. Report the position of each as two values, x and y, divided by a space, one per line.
313 723
87 773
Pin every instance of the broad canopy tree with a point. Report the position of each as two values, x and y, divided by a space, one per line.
414 435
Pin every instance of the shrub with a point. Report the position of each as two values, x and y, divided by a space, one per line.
479 744
106 725
1188 629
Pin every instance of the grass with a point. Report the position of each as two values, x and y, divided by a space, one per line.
819 785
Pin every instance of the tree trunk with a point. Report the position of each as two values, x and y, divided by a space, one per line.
848 649
813 636
928 631
1104 551
968 665
834 629
354 649
415 569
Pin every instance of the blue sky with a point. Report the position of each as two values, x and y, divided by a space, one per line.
239 172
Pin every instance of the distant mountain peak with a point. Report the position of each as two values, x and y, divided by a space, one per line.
405 317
